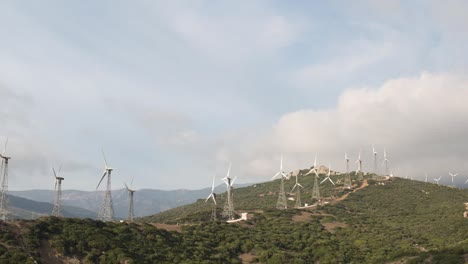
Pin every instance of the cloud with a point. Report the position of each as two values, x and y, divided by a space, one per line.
421 121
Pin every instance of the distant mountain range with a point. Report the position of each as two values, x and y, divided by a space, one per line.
87 203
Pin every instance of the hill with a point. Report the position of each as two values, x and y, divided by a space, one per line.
27 209
385 221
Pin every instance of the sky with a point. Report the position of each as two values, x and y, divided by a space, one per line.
174 91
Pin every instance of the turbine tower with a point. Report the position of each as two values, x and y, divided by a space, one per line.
4 206
374 157
385 162
328 178
316 187
453 176
359 169
106 213
298 192
57 211
229 204
282 202
437 180
131 208
213 197
347 183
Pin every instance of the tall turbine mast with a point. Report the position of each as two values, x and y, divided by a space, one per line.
282 202
131 208
347 183
298 192
385 162
374 157
57 211
106 213
316 187
212 195
329 179
359 169
229 204
4 206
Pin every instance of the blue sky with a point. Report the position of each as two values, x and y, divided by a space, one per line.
175 90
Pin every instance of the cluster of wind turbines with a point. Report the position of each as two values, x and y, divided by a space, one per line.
228 210
106 213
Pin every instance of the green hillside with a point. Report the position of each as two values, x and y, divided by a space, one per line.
388 221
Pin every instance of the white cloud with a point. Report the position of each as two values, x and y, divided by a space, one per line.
420 120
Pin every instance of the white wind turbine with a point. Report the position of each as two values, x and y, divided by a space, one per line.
426 177
282 203
314 169
131 208
453 175
347 183
374 156
385 162
298 192
229 204
437 180
328 176
213 197
58 193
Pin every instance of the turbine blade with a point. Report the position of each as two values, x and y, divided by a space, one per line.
281 162
55 174
126 187
5 147
315 161
229 170
131 183
300 185
232 182
284 175
207 198
104 175
104 156
331 181
212 186
293 187
323 180
55 185
276 175
214 199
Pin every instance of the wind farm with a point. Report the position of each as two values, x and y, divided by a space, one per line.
261 132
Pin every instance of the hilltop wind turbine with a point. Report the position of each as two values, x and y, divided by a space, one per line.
298 192
347 183
466 181
4 210
58 193
281 203
329 179
131 208
316 187
359 169
229 205
453 176
213 197
106 213
426 177
437 180
374 157
385 162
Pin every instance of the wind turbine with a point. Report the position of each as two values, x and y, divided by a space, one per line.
374 156
58 193
213 197
426 177
106 213
316 187
131 208
281 203
359 169
385 162
298 192
437 180
453 176
229 205
329 179
347 183
4 210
